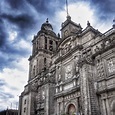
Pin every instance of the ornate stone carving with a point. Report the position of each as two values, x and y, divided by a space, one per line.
77 65
59 78
68 72
33 86
111 65
43 94
67 47
106 44
86 57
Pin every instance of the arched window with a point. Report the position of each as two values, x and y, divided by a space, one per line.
46 43
50 45
45 63
37 45
34 70
25 101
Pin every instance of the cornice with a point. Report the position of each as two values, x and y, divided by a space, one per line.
40 50
103 49
61 58
67 92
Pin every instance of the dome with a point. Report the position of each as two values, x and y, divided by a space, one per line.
46 26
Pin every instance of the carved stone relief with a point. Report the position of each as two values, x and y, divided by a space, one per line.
86 57
106 43
34 86
100 69
67 47
59 78
111 65
43 94
68 72
77 65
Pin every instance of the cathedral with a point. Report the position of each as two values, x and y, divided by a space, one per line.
72 73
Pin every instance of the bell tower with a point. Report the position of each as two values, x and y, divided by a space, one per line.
37 91
44 45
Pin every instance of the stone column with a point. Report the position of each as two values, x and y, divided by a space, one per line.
57 108
88 93
85 89
47 99
108 106
32 103
62 105
104 107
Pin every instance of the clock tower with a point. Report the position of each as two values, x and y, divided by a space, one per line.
69 28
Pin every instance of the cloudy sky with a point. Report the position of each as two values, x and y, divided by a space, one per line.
20 20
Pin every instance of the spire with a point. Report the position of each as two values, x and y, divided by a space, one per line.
68 16
67 8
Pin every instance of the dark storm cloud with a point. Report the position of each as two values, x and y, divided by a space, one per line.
9 54
22 21
105 9
6 62
40 5
24 17
15 4
47 6
19 15
8 51
3 33
107 6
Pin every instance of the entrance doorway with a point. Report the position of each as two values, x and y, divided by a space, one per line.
71 110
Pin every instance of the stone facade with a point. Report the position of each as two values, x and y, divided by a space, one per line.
71 74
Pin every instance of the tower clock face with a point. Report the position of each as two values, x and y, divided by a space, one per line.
66 33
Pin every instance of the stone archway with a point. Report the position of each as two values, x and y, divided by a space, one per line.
71 110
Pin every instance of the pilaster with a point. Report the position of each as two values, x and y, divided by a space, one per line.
88 93
85 90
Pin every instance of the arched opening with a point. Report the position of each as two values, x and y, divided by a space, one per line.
45 64
71 110
46 43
